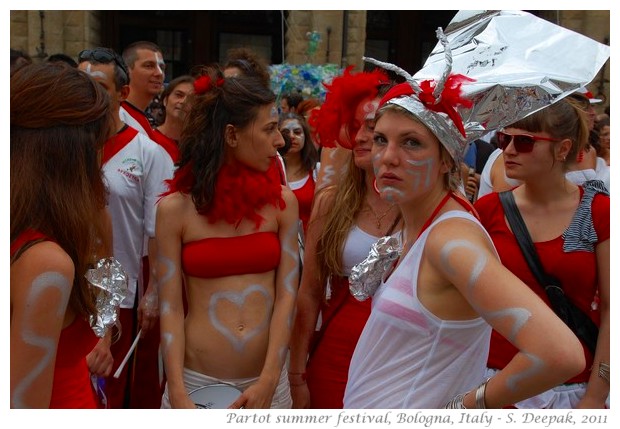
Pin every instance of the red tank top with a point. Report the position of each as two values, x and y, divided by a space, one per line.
305 197
71 387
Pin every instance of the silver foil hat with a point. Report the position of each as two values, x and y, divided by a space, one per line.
518 64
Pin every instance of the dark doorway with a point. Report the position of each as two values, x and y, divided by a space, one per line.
190 38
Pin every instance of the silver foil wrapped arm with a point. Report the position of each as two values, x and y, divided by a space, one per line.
111 280
366 276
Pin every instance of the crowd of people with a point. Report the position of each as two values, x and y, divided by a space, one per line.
239 215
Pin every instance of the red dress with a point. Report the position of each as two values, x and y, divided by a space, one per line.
71 387
576 269
328 366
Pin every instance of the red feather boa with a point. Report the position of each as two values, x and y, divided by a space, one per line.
239 192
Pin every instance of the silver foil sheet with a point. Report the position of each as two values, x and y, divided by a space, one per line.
110 279
519 63
366 276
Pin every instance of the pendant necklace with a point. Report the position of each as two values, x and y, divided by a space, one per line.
377 217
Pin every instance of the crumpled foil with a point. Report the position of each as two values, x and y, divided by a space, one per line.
366 276
111 279
520 64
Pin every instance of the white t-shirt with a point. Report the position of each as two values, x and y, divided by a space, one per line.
135 177
406 356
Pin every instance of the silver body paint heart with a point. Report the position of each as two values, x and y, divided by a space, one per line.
239 298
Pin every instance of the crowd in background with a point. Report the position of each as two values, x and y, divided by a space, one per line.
238 216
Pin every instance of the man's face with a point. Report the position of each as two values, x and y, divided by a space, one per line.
104 75
147 74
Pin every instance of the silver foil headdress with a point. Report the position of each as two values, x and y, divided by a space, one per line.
516 63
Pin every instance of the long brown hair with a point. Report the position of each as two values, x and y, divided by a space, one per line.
235 101
350 193
60 119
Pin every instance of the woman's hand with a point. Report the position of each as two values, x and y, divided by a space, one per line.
301 395
258 395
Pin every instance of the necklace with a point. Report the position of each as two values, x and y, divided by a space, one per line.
378 218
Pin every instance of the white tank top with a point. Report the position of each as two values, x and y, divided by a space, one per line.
357 247
406 356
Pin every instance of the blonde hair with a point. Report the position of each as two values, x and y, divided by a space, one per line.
348 200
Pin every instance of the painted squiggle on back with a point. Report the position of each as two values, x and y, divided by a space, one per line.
41 283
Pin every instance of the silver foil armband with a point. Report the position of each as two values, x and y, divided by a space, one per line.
366 276
111 280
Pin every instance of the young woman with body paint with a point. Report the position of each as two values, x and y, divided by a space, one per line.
301 163
426 340
558 215
342 229
227 233
60 119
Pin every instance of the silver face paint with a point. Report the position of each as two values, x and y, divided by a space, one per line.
480 263
295 131
391 194
420 169
41 283
238 298
161 65
97 73
370 109
537 367
328 173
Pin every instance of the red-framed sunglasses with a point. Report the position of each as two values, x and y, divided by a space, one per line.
523 142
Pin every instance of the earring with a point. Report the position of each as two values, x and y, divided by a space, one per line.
376 188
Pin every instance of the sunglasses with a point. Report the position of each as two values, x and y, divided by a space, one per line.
523 143
102 56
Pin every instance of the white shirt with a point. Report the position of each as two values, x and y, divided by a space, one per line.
406 356
135 177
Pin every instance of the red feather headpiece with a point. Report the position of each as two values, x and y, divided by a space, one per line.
449 100
343 96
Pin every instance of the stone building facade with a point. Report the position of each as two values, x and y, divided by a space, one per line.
343 35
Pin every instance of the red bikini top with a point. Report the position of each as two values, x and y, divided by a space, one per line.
228 256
